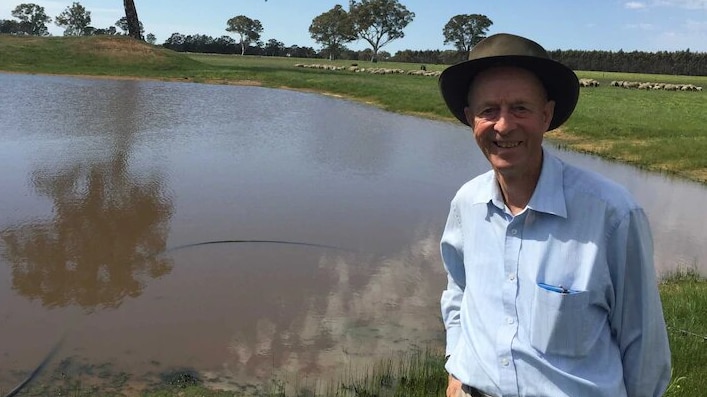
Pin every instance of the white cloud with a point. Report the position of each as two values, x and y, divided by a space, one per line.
688 4
634 5
640 26
691 35
696 26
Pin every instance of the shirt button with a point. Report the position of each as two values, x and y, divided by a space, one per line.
512 277
505 362
509 320
514 231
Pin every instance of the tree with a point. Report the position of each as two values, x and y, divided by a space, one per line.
14 27
150 38
300 52
274 48
135 29
465 30
34 16
123 25
75 20
175 42
248 29
379 21
109 31
331 29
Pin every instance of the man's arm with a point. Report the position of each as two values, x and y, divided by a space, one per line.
453 260
637 317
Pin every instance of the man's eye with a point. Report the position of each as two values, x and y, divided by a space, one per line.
487 112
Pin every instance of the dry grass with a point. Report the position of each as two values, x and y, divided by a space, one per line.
122 49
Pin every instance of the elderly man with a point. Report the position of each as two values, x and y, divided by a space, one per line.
551 286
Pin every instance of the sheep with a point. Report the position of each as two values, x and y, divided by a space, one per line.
588 83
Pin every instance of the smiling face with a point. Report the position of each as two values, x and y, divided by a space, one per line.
509 114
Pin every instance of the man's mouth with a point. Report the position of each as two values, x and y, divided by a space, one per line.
507 145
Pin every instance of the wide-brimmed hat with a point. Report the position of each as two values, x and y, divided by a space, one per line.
505 49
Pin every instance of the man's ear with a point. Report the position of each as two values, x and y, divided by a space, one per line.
548 112
469 115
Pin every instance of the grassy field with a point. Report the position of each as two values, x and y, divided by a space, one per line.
658 130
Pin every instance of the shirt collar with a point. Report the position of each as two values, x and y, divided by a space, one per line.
549 194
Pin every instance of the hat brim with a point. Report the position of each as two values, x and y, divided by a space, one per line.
560 82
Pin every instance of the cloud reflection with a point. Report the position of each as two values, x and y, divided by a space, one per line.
374 309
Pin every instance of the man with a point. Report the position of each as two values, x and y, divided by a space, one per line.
551 285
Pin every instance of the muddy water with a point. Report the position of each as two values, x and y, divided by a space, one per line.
109 187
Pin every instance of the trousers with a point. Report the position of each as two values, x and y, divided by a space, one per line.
470 391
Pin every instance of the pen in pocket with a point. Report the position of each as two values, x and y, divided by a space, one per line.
559 289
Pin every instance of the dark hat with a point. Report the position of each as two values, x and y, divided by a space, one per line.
505 49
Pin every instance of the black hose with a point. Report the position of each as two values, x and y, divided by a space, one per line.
37 370
256 242
58 344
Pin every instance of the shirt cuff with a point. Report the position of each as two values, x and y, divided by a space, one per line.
453 334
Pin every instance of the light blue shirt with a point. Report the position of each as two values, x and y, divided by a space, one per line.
559 300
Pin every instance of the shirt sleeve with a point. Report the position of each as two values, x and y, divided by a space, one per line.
637 317
451 247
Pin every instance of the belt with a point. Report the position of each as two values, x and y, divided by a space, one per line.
471 391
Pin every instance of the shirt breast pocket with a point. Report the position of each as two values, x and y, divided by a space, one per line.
564 324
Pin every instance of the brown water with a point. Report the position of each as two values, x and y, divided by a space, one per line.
102 181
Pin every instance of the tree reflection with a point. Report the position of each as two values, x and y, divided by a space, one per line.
109 225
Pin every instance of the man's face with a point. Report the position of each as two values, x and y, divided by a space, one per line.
509 114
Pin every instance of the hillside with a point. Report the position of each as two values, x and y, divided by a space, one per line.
114 55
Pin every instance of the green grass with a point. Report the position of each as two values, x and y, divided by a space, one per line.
656 130
684 299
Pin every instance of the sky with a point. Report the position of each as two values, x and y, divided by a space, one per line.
611 25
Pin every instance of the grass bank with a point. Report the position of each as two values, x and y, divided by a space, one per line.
657 130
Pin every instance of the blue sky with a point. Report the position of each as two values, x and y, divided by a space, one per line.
648 25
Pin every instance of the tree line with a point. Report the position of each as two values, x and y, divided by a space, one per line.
31 19
376 22
685 63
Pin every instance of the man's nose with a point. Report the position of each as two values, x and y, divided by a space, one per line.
505 122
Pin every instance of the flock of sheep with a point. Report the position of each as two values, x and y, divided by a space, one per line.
655 86
356 69
642 86
582 82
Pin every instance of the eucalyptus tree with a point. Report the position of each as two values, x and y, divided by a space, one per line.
332 29
379 21
12 26
465 30
33 17
274 47
135 29
123 25
75 20
248 29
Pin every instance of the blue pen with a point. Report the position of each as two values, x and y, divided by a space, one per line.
559 289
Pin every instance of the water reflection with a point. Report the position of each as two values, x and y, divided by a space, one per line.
339 316
108 224
102 243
